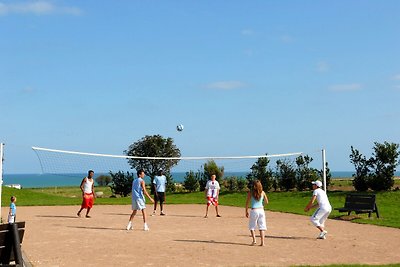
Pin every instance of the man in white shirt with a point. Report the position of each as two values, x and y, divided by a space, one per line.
324 208
159 183
212 193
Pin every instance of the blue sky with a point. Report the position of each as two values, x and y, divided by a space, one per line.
244 77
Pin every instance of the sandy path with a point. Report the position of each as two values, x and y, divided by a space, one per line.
55 236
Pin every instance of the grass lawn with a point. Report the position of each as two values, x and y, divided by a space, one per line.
291 202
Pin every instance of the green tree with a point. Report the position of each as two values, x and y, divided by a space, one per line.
210 167
259 171
285 174
121 183
304 173
153 146
377 172
361 165
383 163
191 181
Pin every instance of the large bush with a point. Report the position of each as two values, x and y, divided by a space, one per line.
121 183
103 180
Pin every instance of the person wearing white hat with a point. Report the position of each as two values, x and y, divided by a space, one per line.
321 214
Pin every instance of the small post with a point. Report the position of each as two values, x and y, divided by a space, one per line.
1 175
16 244
324 168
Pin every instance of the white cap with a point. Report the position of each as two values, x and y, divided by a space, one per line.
317 183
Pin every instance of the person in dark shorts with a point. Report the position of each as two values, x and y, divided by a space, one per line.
159 183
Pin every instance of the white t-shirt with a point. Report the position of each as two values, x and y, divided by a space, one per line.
322 199
87 186
160 182
212 188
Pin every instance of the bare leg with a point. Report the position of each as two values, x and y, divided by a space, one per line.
132 215
162 207
216 211
87 212
155 205
79 212
262 235
144 215
206 212
253 235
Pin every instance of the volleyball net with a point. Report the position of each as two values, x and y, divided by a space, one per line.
63 162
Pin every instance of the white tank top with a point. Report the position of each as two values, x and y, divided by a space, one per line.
87 186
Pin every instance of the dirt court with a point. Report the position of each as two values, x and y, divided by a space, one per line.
55 236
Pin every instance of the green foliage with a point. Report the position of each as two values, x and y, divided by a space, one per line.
285 175
121 183
234 184
377 172
304 173
259 171
103 180
328 174
153 146
170 186
191 181
383 162
210 168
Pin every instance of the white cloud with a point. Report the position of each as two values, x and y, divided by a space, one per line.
37 8
396 77
322 66
226 85
345 87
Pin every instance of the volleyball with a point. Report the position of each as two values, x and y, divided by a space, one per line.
179 127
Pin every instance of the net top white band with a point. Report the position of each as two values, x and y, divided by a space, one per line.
165 158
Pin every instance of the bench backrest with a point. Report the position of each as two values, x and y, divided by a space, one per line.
360 201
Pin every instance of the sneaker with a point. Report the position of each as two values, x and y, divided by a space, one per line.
146 227
162 214
154 213
129 226
322 235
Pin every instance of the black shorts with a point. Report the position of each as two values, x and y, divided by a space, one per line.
160 196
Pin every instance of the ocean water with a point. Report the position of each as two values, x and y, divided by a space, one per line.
52 180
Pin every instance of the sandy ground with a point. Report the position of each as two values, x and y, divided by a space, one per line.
55 236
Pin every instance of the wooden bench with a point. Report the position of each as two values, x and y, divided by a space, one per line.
11 236
360 203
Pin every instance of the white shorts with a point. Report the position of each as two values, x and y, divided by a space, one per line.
11 218
257 218
138 204
320 216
